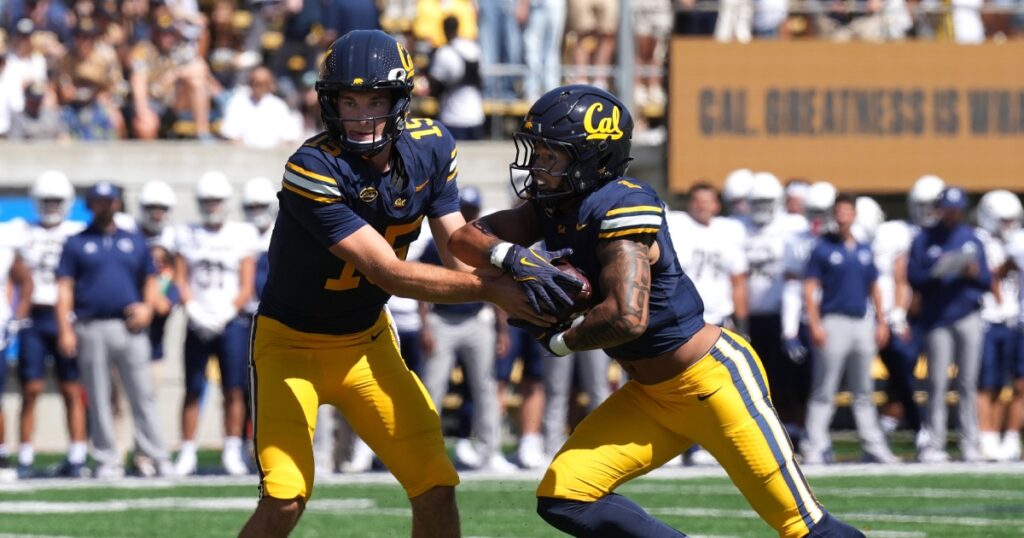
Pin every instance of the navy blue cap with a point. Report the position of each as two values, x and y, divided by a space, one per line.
953 198
470 196
103 189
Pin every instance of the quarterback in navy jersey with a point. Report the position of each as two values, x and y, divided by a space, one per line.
690 382
352 200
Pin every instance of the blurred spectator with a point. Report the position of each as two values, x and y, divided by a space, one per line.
228 59
168 82
769 18
25 62
41 117
542 45
257 118
967 25
734 20
107 280
430 16
652 22
843 336
12 95
501 42
690 20
595 23
455 73
342 16
949 273
1005 19
47 15
516 344
87 79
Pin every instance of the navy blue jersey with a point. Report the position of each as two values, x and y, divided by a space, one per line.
845 274
327 195
627 208
109 271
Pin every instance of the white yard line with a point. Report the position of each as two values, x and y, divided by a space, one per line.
206 504
852 516
477 477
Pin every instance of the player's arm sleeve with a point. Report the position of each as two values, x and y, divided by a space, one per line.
814 265
312 197
631 214
445 186
918 268
984 279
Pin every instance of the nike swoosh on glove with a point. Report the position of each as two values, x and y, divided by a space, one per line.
543 283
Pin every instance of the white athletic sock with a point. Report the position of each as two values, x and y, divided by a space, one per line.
187 447
233 444
26 454
76 452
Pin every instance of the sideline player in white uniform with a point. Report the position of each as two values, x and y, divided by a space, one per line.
735 192
53 195
794 338
215 267
891 246
156 202
999 216
15 280
1011 445
711 258
710 249
768 231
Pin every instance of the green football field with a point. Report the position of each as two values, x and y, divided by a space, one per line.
899 501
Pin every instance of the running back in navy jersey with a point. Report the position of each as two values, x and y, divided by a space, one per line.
620 209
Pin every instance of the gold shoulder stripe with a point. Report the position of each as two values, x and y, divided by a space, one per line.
623 233
454 151
311 175
634 209
315 198
452 175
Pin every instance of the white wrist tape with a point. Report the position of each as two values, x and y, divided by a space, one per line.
558 346
498 253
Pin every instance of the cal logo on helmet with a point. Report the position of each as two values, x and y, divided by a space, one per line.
606 127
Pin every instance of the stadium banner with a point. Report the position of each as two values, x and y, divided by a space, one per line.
867 117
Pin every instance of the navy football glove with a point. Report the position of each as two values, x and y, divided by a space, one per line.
543 283
541 334
795 350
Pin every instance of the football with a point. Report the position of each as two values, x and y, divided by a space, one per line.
580 296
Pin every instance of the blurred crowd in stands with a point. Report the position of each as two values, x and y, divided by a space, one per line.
244 70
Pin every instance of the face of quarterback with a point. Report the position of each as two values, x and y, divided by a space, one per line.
549 163
364 114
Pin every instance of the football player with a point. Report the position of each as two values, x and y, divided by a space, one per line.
691 382
769 229
53 195
214 266
1015 412
14 273
891 246
156 201
352 201
999 216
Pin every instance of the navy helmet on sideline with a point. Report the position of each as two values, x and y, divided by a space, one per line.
364 60
591 124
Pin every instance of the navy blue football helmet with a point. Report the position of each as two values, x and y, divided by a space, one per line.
589 124
364 60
